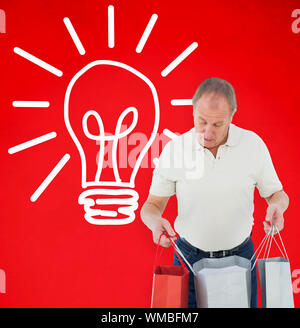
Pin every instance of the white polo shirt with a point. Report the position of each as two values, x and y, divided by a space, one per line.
215 195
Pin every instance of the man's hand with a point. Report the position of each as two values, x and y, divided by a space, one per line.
160 227
274 216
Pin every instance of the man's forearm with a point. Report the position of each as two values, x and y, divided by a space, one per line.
150 214
279 198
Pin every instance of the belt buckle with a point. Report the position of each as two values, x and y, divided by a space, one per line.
217 254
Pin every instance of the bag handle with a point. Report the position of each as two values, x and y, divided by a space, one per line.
285 252
175 246
268 238
259 249
273 238
157 256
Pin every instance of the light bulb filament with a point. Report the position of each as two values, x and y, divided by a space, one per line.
115 138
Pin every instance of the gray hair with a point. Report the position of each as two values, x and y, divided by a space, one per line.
217 86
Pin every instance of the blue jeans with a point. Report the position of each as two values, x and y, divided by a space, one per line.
193 254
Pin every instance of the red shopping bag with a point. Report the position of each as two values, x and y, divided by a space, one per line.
170 284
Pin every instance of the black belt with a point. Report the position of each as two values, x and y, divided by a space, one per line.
218 254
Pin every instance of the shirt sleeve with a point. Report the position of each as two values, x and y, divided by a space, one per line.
267 180
163 184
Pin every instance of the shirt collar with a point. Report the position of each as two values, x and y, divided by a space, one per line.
232 139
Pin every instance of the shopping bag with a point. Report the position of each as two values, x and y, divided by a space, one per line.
223 282
275 276
170 285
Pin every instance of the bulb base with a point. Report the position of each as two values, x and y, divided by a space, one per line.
109 206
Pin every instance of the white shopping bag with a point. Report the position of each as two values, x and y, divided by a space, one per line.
223 282
275 276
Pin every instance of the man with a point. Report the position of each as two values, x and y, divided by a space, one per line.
215 198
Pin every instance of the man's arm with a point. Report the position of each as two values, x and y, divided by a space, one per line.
278 204
151 213
280 198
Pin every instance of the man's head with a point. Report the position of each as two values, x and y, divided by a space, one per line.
214 105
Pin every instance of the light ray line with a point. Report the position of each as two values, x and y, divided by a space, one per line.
170 134
74 36
181 102
179 59
146 33
38 62
31 143
38 104
111 26
50 177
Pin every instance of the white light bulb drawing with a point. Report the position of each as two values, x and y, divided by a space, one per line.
99 192
100 188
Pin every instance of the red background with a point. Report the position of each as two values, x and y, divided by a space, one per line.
52 257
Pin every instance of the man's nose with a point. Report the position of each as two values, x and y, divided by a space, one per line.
209 131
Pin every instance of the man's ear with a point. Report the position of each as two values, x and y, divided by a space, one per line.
231 116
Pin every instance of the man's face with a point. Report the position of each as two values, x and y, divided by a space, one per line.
212 117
